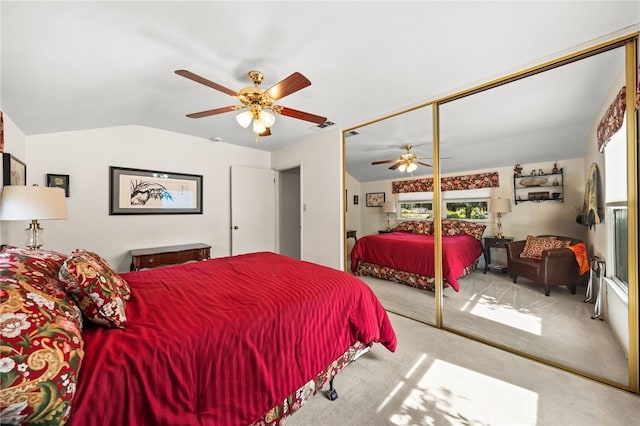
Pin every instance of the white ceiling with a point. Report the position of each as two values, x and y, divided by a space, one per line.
78 65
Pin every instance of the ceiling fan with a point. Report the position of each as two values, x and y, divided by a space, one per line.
258 101
406 162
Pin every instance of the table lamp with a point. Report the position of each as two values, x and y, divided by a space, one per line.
32 203
499 206
389 208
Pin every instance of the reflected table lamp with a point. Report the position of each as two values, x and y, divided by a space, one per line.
499 206
389 208
33 203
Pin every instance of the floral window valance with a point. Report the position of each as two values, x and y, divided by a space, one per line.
450 183
612 120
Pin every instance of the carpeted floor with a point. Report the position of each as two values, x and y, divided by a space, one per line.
439 378
490 306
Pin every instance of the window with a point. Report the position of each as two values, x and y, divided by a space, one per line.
476 210
455 209
416 210
615 159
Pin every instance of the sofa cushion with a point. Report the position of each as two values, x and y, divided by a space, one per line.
534 246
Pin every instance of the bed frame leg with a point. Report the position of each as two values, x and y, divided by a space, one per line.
332 394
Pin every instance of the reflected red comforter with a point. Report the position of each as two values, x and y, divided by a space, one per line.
414 253
222 341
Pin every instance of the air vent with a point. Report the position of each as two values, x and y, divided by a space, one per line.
351 133
323 125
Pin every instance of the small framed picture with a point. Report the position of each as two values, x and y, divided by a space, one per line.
59 181
14 171
375 199
355 199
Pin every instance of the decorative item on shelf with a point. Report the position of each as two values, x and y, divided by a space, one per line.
499 206
389 208
555 195
534 181
33 203
539 195
555 182
517 170
555 168
540 172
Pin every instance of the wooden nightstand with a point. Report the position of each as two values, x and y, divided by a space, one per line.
169 255
493 242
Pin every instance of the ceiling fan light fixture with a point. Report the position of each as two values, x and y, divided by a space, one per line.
411 167
259 126
402 167
267 118
244 118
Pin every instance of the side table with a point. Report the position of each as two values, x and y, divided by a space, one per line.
493 242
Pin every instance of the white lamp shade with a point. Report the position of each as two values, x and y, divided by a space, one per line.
411 167
500 205
32 202
244 118
389 207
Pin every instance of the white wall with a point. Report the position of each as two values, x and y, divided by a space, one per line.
15 144
320 160
86 157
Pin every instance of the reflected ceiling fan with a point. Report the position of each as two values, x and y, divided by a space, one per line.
258 101
406 162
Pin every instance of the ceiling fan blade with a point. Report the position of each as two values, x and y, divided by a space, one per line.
289 85
424 164
395 166
294 113
214 111
382 162
265 133
209 83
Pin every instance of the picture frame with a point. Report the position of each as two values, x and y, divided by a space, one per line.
58 181
140 191
375 199
14 171
355 199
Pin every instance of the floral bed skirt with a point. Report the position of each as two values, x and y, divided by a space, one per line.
402 277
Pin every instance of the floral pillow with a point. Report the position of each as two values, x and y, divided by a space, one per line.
534 246
451 227
119 282
41 334
476 230
405 226
95 292
423 227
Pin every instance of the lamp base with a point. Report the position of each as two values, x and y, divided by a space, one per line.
34 235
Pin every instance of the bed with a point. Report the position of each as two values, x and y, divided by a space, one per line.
406 255
241 340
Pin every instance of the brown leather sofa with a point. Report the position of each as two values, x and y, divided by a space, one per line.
556 267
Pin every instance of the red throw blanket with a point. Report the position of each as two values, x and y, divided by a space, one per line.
414 253
220 342
580 251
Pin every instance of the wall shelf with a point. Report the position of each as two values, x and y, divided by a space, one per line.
539 187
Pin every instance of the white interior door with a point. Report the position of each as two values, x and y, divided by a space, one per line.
253 217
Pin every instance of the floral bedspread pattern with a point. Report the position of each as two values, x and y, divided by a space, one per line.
41 344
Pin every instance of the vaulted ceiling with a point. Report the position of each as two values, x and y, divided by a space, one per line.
77 65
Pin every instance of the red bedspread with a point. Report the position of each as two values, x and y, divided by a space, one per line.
222 341
414 253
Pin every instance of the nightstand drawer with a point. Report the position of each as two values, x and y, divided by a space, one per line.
171 255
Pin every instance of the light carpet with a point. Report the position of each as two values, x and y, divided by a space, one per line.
439 378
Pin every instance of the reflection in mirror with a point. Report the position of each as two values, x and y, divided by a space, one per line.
377 253
546 124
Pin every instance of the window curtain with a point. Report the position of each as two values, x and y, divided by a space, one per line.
612 120
451 183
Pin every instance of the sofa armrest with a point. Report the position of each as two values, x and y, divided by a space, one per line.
514 248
